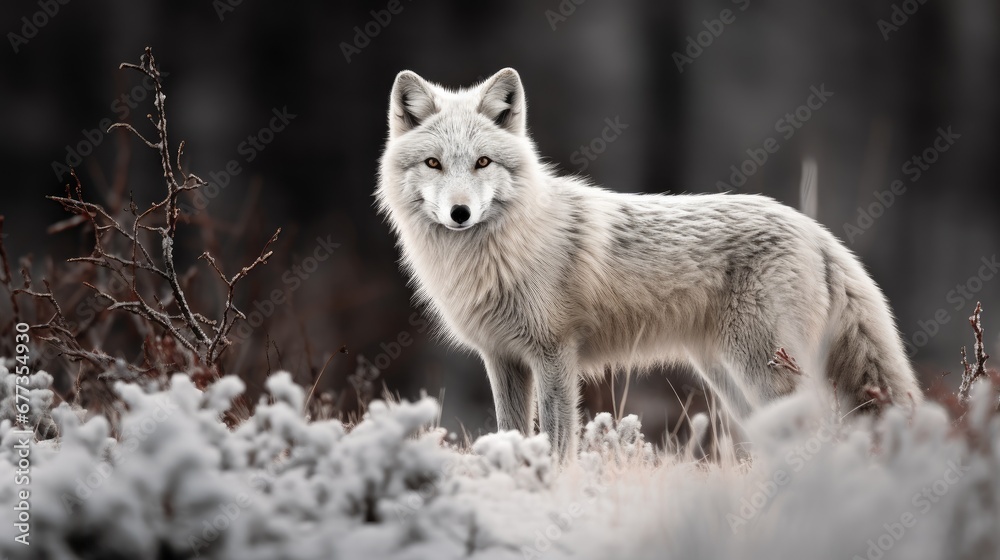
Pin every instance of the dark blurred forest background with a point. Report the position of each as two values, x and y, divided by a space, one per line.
701 87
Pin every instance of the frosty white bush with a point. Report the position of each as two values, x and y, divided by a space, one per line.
178 480
620 443
172 480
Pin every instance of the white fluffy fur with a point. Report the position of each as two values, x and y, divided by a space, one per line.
552 279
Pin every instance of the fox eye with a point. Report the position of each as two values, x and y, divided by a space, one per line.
433 163
483 162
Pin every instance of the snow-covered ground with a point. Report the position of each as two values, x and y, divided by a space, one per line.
175 482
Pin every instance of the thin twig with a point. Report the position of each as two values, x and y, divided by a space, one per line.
783 360
972 373
343 350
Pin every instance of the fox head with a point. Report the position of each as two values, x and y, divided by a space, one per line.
454 159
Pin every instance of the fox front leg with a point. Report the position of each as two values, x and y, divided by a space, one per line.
513 393
558 392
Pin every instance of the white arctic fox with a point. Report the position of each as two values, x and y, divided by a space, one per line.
551 279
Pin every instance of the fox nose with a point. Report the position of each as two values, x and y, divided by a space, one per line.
460 213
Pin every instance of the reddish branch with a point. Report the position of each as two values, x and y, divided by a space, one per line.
230 313
58 330
784 361
202 341
972 373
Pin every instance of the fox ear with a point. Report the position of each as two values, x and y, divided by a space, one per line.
503 101
411 102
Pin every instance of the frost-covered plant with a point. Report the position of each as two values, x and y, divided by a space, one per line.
178 483
528 460
175 481
620 443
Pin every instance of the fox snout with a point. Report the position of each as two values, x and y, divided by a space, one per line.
459 211
460 214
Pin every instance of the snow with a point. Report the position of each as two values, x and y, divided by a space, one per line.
173 481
